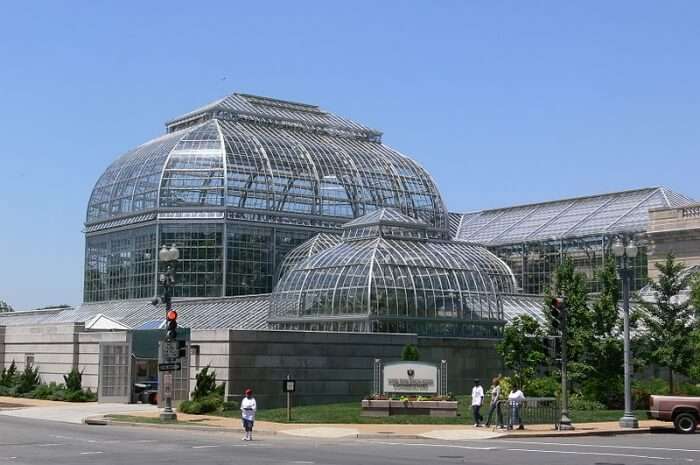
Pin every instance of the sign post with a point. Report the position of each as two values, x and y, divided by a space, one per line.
289 386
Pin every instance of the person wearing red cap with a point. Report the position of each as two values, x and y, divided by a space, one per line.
248 409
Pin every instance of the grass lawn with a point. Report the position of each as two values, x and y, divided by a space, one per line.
349 412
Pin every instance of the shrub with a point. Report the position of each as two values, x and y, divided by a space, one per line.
8 377
28 380
542 387
74 380
410 353
46 391
230 406
609 391
688 389
578 402
193 407
642 389
206 383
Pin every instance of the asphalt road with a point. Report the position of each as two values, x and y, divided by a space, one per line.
34 442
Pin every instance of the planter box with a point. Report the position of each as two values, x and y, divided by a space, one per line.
385 408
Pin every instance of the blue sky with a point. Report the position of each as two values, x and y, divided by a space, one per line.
503 102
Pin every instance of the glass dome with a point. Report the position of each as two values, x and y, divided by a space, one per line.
237 185
257 154
387 275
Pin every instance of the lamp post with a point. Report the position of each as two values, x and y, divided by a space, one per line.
169 256
624 252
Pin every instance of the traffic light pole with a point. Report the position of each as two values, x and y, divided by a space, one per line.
168 414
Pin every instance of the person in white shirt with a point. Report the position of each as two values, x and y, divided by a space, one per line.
248 409
477 400
515 399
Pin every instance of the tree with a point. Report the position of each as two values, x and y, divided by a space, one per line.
606 352
522 349
410 353
571 284
8 377
667 323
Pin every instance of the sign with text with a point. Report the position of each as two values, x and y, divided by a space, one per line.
410 377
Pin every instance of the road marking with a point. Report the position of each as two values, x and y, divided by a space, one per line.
144 441
92 453
432 445
572 444
49 445
540 451
204 447
301 461
605 454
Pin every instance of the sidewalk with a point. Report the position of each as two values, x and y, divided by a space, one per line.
386 431
67 412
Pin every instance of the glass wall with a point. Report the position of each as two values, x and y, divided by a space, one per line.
200 267
534 263
120 265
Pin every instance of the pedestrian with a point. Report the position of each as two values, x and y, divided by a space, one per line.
477 400
495 402
248 409
515 400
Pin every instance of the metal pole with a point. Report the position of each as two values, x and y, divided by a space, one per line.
168 414
628 420
289 402
565 422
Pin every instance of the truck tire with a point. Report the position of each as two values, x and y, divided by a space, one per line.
685 423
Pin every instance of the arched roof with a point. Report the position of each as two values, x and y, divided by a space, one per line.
382 275
257 154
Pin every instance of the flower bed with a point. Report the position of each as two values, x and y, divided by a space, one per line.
409 406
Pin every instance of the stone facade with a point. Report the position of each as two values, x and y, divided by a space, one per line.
328 367
676 231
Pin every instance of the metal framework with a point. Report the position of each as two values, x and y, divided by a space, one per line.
241 182
534 239
387 275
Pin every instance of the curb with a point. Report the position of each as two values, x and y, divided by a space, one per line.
101 420
574 433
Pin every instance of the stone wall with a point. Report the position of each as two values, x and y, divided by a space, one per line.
676 231
328 367
53 348
466 359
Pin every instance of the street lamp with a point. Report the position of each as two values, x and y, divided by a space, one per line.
169 256
625 252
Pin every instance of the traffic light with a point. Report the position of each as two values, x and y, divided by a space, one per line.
181 349
171 324
557 307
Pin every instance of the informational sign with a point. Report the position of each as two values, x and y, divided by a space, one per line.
410 377
289 385
169 351
174 366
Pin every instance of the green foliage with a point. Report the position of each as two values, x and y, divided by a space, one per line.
206 384
410 353
231 406
642 389
74 380
547 386
522 348
28 379
668 327
8 377
579 402
210 404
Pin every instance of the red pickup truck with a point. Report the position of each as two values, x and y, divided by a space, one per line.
684 412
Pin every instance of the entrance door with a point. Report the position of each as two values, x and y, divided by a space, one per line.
114 374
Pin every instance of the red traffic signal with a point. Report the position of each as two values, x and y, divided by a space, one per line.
171 315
